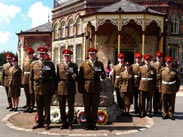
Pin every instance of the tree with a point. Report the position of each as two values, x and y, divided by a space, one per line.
3 58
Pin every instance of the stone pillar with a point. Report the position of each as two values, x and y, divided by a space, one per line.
119 41
143 43
161 43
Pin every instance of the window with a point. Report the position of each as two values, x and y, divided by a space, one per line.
55 32
63 30
78 55
79 27
71 48
61 56
56 55
175 24
173 51
71 28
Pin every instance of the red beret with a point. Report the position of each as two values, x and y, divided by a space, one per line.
42 49
121 55
169 59
47 57
159 54
9 55
147 57
138 55
29 50
67 52
92 50
15 59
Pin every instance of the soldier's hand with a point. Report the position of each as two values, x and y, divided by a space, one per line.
74 76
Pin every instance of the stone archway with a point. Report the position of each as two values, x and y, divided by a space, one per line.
107 35
131 36
152 33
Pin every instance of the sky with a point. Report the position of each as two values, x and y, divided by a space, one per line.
17 15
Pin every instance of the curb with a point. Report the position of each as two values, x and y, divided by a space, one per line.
6 121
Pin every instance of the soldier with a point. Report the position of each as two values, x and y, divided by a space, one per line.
147 76
30 99
5 79
170 84
91 71
135 69
126 85
67 73
14 83
117 69
43 84
157 96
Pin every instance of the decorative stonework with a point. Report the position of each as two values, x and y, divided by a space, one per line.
101 19
78 41
121 20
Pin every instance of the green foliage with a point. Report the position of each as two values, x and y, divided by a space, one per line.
3 58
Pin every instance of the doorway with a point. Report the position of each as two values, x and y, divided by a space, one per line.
129 55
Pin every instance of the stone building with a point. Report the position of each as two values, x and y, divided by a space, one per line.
41 35
112 26
173 10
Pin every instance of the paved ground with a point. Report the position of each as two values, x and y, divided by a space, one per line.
19 124
123 125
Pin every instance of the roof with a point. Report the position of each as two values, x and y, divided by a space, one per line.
126 6
42 28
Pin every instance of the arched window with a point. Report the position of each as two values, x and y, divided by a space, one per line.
63 30
56 31
71 27
175 24
79 26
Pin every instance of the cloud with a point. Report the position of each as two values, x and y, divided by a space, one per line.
39 14
7 12
4 37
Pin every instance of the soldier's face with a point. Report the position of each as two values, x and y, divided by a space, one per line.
15 63
9 60
121 59
67 58
168 64
92 56
30 55
147 61
42 56
160 59
138 60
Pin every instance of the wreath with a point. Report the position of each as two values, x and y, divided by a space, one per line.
35 118
55 115
102 117
81 117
